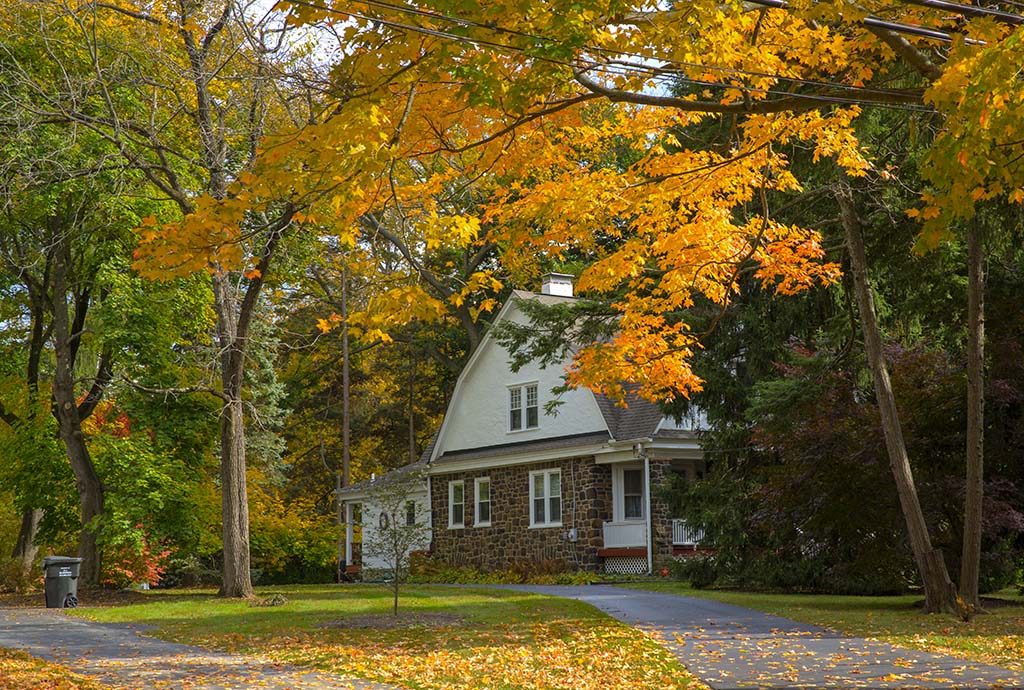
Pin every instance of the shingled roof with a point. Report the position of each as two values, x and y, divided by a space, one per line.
420 465
639 419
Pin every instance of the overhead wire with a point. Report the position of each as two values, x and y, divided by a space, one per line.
656 73
628 54
970 10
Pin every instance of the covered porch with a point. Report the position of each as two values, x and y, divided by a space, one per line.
641 526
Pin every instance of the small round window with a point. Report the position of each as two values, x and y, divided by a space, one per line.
385 522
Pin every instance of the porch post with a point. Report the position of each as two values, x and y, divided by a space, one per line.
647 513
349 535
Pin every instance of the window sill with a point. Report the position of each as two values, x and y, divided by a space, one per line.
545 525
463 526
520 431
481 524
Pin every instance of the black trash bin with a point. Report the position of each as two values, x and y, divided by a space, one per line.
61 581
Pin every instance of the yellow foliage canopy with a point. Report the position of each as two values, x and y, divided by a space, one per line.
559 129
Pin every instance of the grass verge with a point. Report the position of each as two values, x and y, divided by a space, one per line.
996 637
20 671
505 641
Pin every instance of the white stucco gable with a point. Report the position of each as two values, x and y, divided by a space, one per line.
479 413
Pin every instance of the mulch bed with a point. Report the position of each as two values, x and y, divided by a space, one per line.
999 603
94 598
388 621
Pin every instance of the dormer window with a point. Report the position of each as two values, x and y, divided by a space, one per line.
523 411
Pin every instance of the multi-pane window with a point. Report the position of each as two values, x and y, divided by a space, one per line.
410 513
531 407
633 494
482 518
546 498
456 504
517 410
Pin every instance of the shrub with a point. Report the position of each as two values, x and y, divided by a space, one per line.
13 578
191 571
701 570
424 569
131 558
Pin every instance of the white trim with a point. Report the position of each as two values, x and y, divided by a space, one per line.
603 452
468 368
451 501
650 535
510 304
477 522
619 493
534 524
349 533
523 407
487 463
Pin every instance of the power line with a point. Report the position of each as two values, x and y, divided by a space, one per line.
970 10
876 23
620 53
824 98
657 73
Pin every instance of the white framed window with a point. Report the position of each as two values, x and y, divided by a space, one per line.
482 496
456 505
410 513
629 499
633 494
546 498
523 407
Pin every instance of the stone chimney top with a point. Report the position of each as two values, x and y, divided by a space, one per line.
559 284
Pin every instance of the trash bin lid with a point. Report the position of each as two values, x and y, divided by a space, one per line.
60 560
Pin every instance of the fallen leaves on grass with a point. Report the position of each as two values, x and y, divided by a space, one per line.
1006 650
543 656
389 621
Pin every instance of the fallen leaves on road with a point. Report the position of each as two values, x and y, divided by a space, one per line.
20 671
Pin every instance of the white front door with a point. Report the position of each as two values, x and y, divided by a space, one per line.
628 493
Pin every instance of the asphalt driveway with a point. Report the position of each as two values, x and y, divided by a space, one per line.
118 656
733 647
726 646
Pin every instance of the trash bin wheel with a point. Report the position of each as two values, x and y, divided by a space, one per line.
70 601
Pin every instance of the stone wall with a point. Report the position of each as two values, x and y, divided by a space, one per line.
509 540
661 515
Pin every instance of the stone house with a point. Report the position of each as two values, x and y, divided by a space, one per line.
506 483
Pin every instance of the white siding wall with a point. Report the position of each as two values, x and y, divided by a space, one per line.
479 415
371 520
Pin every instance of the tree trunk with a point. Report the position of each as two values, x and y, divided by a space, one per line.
970 564
26 549
236 580
938 588
69 424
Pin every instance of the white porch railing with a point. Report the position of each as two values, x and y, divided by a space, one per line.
684 535
625 534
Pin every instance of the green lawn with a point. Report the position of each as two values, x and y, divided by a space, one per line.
996 637
504 640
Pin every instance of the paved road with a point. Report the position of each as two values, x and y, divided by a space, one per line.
118 656
733 647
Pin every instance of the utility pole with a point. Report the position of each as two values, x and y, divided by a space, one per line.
341 477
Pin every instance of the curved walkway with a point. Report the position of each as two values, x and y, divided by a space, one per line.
733 647
117 656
